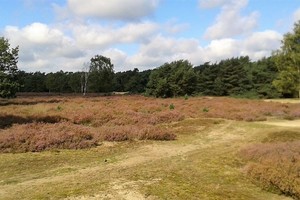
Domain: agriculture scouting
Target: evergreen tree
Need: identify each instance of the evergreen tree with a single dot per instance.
(172, 79)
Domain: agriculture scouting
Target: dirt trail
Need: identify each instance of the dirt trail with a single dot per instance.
(283, 123)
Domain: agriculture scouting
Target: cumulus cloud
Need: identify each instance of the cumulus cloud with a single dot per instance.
(113, 9)
(261, 44)
(230, 22)
(92, 35)
(118, 58)
(42, 47)
(163, 49)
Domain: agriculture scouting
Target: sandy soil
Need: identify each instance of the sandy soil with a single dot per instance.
(283, 123)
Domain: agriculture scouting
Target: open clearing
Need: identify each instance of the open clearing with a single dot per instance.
(202, 163)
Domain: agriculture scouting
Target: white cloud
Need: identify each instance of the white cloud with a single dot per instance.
(163, 49)
(297, 15)
(95, 36)
(266, 40)
(43, 48)
(211, 3)
(173, 27)
(113, 9)
(261, 44)
(118, 58)
(230, 22)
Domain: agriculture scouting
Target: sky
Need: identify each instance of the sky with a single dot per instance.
(55, 35)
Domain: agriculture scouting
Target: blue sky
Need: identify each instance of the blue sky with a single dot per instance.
(65, 34)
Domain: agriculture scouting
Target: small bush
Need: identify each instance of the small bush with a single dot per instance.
(205, 110)
(186, 97)
(171, 106)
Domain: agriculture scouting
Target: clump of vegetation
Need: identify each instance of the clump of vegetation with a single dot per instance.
(205, 110)
(171, 106)
(275, 166)
(37, 137)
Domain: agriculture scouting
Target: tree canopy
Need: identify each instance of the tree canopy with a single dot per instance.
(101, 74)
(172, 79)
(288, 63)
(8, 69)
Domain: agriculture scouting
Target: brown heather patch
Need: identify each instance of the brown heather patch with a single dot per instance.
(37, 137)
(275, 166)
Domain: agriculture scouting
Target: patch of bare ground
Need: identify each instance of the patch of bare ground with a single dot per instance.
(283, 100)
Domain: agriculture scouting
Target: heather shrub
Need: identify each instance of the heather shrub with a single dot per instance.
(156, 134)
(275, 166)
(37, 137)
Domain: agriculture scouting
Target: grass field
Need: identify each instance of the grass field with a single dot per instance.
(133, 147)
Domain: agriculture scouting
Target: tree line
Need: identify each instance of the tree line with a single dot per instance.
(271, 77)
(231, 77)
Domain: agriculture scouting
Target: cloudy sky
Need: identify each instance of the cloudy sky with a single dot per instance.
(58, 35)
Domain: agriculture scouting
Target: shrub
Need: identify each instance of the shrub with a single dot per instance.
(171, 106)
(205, 110)
(156, 134)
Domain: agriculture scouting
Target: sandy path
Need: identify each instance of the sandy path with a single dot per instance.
(286, 123)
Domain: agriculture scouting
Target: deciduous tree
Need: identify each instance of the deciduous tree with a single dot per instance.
(288, 63)
(8, 69)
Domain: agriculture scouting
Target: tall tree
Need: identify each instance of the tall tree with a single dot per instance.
(8, 69)
(101, 74)
(261, 74)
(288, 63)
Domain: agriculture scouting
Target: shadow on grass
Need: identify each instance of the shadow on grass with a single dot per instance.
(27, 103)
(9, 120)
